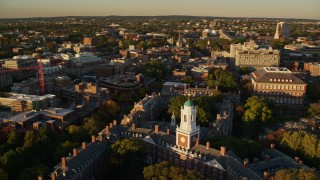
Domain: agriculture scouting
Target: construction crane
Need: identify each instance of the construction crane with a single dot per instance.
(41, 77)
(40, 73)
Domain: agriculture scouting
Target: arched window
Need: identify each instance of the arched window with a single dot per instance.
(185, 118)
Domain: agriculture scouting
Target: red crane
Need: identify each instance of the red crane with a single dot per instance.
(41, 77)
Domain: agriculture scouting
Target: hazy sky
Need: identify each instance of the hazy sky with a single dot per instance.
(229, 8)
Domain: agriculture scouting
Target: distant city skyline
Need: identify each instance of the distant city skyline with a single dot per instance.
(308, 9)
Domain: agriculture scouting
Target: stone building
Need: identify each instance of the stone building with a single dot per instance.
(251, 55)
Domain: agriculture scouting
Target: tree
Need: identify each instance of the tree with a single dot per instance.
(93, 125)
(244, 148)
(314, 109)
(175, 105)
(295, 174)
(29, 139)
(227, 81)
(33, 172)
(155, 69)
(166, 170)
(256, 113)
(129, 147)
(78, 133)
(3, 175)
(65, 148)
(187, 79)
(128, 153)
(14, 139)
(110, 107)
(302, 144)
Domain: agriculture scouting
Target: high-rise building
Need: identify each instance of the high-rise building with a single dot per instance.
(282, 31)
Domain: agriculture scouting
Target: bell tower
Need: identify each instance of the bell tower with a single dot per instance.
(188, 131)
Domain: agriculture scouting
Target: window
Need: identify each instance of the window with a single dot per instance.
(191, 118)
(185, 118)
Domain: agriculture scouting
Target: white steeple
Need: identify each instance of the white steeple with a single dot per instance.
(188, 131)
(188, 117)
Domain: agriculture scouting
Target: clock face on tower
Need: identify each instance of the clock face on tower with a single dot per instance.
(182, 139)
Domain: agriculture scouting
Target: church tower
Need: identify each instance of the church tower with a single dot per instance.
(188, 131)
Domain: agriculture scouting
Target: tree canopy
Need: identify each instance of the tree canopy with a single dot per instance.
(302, 144)
(166, 170)
(257, 112)
(295, 174)
(314, 109)
(226, 80)
(155, 69)
(205, 107)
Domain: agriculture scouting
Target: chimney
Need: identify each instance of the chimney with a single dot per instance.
(110, 124)
(208, 145)
(223, 150)
(93, 138)
(133, 126)
(40, 177)
(272, 146)
(114, 122)
(197, 142)
(63, 162)
(168, 131)
(256, 161)
(156, 128)
(53, 176)
(296, 159)
(84, 145)
(246, 163)
(107, 129)
(300, 163)
(266, 175)
(75, 152)
(267, 157)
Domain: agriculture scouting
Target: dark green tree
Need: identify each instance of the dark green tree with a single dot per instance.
(155, 69)
(166, 170)
(92, 125)
(257, 112)
(78, 133)
(14, 138)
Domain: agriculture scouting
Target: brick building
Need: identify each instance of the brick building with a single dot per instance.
(179, 145)
(278, 85)
(313, 68)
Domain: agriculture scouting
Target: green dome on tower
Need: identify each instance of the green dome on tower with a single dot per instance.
(188, 103)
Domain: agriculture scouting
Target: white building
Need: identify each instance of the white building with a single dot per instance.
(282, 31)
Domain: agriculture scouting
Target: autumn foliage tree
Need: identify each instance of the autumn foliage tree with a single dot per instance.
(295, 174)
